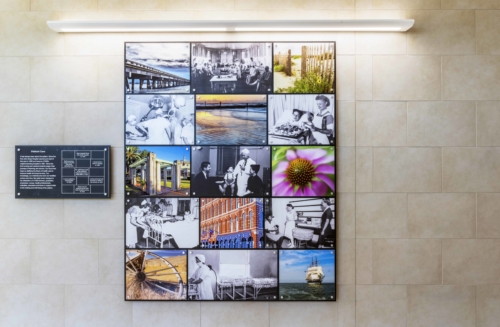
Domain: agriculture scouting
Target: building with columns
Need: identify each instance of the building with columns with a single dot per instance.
(232, 223)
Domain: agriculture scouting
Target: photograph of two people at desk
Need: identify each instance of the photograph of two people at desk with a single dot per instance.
(304, 223)
(231, 67)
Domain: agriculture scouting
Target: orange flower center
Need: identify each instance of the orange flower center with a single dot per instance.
(300, 172)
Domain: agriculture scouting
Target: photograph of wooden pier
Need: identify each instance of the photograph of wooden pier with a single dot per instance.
(231, 119)
(157, 68)
(304, 67)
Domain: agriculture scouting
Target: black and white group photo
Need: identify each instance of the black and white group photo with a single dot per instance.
(234, 171)
(159, 119)
(157, 68)
(162, 223)
(232, 275)
(306, 119)
(302, 223)
(231, 67)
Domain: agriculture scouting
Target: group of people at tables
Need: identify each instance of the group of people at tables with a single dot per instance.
(278, 230)
(253, 73)
(164, 128)
(241, 180)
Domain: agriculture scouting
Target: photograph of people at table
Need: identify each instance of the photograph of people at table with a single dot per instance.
(157, 171)
(232, 275)
(162, 223)
(237, 171)
(159, 119)
(225, 119)
(301, 119)
(307, 275)
(304, 67)
(234, 223)
(157, 68)
(306, 223)
(302, 171)
(231, 68)
(155, 274)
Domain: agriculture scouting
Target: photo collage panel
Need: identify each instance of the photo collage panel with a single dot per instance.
(230, 180)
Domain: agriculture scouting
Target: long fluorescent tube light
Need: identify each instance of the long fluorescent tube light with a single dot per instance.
(138, 26)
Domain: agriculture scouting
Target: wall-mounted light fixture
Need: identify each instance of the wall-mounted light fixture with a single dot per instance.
(127, 26)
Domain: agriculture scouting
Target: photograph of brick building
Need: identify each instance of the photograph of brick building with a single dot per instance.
(231, 223)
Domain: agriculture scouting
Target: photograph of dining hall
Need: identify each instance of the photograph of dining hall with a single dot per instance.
(231, 223)
(231, 67)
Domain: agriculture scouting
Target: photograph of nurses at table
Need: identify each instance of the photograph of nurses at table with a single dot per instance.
(162, 223)
(305, 223)
(231, 68)
(302, 119)
(232, 275)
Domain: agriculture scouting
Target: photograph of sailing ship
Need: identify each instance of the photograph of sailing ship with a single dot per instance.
(307, 275)
(155, 275)
(231, 119)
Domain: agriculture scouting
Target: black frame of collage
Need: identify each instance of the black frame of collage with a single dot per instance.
(266, 196)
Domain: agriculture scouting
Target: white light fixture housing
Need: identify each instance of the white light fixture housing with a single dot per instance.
(138, 26)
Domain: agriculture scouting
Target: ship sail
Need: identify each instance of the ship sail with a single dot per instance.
(314, 273)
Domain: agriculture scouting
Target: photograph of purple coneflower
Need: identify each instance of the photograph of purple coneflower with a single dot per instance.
(303, 171)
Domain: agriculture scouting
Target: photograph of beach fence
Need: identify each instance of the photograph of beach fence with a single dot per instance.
(301, 119)
(224, 119)
(304, 67)
(231, 68)
(232, 275)
(307, 275)
(157, 68)
(157, 171)
(162, 223)
(159, 119)
(155, 275)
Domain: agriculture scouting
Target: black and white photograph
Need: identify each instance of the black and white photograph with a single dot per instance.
(230, 275)
(301, 119)
(300, 67)
(157, 171)
(157, 68)
(155, 275)
(159, 119)
(231, 68)
(307, 223)
(226, 119)
(233, 171)
(162, 223)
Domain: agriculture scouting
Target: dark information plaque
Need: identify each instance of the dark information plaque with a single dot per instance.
(62, 171)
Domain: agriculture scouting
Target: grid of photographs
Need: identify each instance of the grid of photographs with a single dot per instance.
(230, 171)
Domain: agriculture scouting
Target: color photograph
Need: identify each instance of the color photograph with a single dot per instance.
(231, 68)
(159, 119)
(307, 223)
(307, 275)
(155, 275)
(231, 223)
(157, 68)
(302, 119)
(232, 275)
(162, 223)
(231, 171)
(303, 171)
(304, 67)
(157, 171)
(231, 119)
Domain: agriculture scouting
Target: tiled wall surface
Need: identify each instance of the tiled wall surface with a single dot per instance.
(418, 165)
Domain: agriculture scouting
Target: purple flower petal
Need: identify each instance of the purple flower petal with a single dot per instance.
(308, 191)
(311, 154)
(327, 181)
(323, 160)
(281, 188)
(325, 169)
(290, 155)
(287, 192)
(282, 166)
(319, 188)
(278, 178)
(298, 192)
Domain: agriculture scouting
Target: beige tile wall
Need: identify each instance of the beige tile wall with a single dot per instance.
(418, 165)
